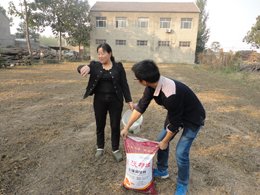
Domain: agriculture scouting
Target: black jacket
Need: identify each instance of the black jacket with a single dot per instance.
(184, 108)
(118, 77)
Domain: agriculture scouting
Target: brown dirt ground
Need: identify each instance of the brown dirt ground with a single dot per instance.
(47, 134)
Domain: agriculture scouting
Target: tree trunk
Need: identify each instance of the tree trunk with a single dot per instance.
(79, 51)
(27, 31)
(60, 47)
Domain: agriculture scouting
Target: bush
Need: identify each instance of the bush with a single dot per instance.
(2, 60)
(26, 60)
(226, 62)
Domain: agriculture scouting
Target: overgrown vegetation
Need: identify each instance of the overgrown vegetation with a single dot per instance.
(203, 30)
(226, 62)
(2, 60)
(253, 36)
(26, 61)
(234, 64)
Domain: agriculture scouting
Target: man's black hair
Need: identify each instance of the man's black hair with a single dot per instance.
(146, 70)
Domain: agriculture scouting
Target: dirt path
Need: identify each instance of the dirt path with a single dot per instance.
(47, 134)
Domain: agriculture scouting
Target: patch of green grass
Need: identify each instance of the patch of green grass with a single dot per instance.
(49, 61)
(229, 71)
(196, 67)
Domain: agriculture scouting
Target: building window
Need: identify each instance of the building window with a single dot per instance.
(164, 43)
(165, 22)
(100, 41)
(101, 22)
(120, 22)
(143, 23)
(184, 44)
(186, 23)
(141, 42)
(120, 42)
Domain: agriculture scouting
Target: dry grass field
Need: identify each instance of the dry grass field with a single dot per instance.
(47, 134)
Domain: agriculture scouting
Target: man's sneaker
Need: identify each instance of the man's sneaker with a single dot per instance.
(181, 189)
(163, 175)
(99, 152)
(118, 155)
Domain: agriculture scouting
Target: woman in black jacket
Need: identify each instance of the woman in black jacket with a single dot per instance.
(109, 84)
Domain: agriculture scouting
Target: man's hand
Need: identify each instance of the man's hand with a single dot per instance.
(162, 145)
(124, 132)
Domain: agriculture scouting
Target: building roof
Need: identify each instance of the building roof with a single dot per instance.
(167, 7)
(58, 47)
(4, 15)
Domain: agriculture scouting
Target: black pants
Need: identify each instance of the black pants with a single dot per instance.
(102, 104)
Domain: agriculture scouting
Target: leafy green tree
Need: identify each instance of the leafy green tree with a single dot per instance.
(2, 9)
(215, 46)
(253, 36)
(203, 31)
(79, 32)
(50, 40)
(57, 14)
(25, 14)
(21, 32)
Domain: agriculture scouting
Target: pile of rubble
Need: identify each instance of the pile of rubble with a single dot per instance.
(14, 56)
(248, 55)
(253, 61)
(18, 56)
(254, 67)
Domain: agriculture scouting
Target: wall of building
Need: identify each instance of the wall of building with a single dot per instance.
(133, 53)
(5, 37)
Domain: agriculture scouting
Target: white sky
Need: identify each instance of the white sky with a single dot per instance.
(229, 20)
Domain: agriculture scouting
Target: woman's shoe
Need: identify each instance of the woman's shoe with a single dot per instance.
(118, 155)
(99, 152)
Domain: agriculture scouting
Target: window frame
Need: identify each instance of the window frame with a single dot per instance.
(185, 22)
(101, 19)
(163, 43)
(145, 43)
(120, 20)
(100, 41)
(184, 43)
(163, 21)
(142, 20)
(119, 41)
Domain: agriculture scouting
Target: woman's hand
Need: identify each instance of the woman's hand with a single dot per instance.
(84, 71)
(131, 105)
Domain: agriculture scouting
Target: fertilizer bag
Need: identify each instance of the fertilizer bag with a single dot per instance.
(139, 164)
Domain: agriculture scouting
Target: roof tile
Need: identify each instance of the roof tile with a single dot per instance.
(168, 7)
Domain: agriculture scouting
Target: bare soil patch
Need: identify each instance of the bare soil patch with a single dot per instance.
(47, 134)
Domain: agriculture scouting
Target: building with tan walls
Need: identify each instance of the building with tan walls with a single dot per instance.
(162, 31)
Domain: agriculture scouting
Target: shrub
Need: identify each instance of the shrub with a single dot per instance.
(2, 60)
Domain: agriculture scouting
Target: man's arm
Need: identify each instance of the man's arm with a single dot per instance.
(134, 117)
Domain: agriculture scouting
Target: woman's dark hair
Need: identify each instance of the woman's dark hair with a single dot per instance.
(146, 70)
(108, 49)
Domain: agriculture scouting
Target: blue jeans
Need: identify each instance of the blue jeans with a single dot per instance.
(182, 154)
